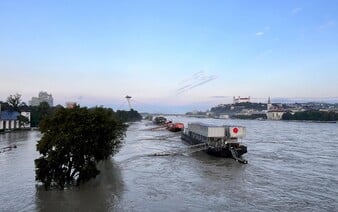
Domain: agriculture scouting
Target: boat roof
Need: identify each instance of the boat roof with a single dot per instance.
(213, 125)
(206, 124)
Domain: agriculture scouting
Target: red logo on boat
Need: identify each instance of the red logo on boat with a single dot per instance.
(235, 130)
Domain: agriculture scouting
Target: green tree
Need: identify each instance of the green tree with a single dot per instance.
(287, 116)
(128, 116)
(311, 115)
(14, 101)
(73, 141)
(40, 112)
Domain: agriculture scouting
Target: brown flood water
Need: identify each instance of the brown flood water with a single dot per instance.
(292, 167)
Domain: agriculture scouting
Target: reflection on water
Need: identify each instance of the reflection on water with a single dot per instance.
(17, 179)
(13, 138)
(292, 167)
(101, 194)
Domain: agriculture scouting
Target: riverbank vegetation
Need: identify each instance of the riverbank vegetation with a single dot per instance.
(38, 113)
(237, 108)
(128, 116)
(311, 115)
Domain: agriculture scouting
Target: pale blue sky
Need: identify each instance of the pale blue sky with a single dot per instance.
(168, 55)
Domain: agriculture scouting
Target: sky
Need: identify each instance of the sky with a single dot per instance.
(170, 56)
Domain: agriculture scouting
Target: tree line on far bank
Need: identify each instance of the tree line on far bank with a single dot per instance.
(311, 115)
(38, 113)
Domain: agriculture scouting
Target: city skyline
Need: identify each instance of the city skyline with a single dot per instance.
(174, 56)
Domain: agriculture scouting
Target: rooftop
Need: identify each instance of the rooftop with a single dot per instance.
(9, 115)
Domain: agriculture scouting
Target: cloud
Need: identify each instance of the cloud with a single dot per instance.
(327, 25)
(195, 75)
(259, 33)
(263, 32)
(196, 80)
(296, 11)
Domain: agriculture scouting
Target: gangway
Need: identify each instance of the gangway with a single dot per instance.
(181, 151)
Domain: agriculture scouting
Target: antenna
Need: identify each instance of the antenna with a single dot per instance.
(128, 99)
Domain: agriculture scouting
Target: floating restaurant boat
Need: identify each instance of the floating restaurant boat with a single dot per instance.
(221, 141)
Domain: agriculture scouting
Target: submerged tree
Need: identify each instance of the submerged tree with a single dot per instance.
(73, 141)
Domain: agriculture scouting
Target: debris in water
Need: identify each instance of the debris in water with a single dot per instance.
(7, 148)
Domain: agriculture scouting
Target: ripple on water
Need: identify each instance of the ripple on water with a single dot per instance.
(292, 167)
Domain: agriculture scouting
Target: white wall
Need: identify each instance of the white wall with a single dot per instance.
(274, 115)
(27, 115)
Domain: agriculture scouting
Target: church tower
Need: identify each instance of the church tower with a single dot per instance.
(269, 105)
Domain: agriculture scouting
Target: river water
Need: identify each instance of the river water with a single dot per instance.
(293, 166)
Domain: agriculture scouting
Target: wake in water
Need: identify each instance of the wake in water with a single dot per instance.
(160, 137)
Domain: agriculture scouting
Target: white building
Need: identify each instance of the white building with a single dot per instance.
(43, 97)
(28, 116)
(241, 99)
(9, 120)
(273, 112)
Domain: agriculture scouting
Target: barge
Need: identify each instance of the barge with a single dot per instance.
(221, 141)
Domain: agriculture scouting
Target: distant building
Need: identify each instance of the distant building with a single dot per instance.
(241, 99)
(43, 97)
(9, 120)
(70, 105)
(28, 116)
(269, 105)
(274, 112)
(224, 116)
